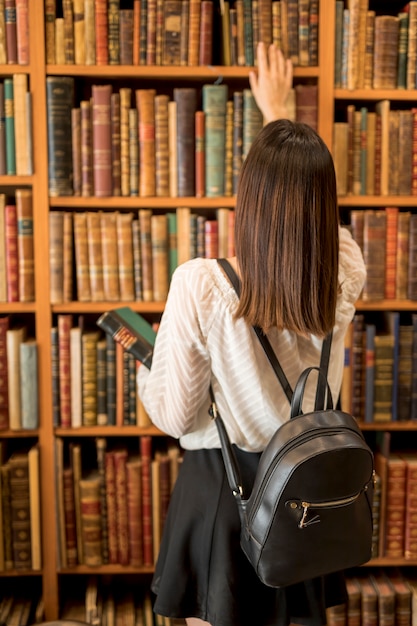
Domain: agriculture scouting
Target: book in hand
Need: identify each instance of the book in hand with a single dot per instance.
(131, 330)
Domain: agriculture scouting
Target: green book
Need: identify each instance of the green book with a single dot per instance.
(131, 330)
(9, 126)
(214, 106)
(173, 245)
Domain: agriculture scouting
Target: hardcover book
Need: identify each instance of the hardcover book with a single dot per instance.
(131, 330)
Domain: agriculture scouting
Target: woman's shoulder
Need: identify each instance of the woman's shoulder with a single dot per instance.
(203, 276)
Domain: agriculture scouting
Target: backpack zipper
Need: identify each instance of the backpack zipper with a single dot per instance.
(324, 505)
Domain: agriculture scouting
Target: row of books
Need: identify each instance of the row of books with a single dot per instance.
(387, 238)
(16, 126)
(179, 32)
(20, 526)
(126, 256)
(114, 511)
(375, 51)
(380, 376)
(374, 151)
(19, 408)
(93, 379)
(21, 608)
(14, 32)
(17, 266)
(163, 146)
(99, 602)
(380, 596)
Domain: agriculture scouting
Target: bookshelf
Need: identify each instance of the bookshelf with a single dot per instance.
(53, 578)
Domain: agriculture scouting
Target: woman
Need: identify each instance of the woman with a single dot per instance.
(301, 275)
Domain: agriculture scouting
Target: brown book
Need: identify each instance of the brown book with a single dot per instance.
(102, 33)
(4, 392)
(89, 340)
(64, 325)
(145, 216)
(82, 266)
(137, 259)
(160, 260)
(95, 256)
(60, 91)
(101, 447)
(405, 152)
(161, 146)
(172, 143)
(115, 143)
(76, 149)
(76, 376)
(110, 256)
(156, 507)
(151, 32)
(403, 597)
(340, 150)
(59, 41)
(354, 601)
(412, 260)
(186, 100)
(101, 140)
(110, 476)
(159, 31)
(90, 32)
(143, 31)
(11, 31)
(120, 460)
(146, 459)
(134, 511)
(20, 89)
(194, 32)
(369, 599)
(126, 36)
(358, 366)
(200, 178)
(306, 104)
(113, 31)
(7, 516)
(11, 250)
(125, 101)
(225, 56)
(91, 519)
(67, 257)
(22, 31)
(385, 52)
(87, 184)
(79, 32)
(133, 153)
(370, 154)
(34, 502)
(403, 244)
(394, 148)
(125, 256)
(391, 252)
(76, 464)
(374, 252)
(410, 521)
(395, 506)
(67, 10)
(102, 414)
(25, 252)
(206, 33)
(50, 14)
(136, 30)
(69, 517)
(382, 109)
(228, 151)
(20, 510)
(386, 599)
(145, 103)
(184, 31)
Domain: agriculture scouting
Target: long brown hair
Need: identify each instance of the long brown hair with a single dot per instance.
(286, 231)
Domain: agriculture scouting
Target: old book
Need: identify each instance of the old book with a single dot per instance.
(172, 146)
(76, 150)
(95, 255)
(113, 27)
(102, 419)
(82, 266)
(20, 510)
(91, 518)
(111, 379)
(126, 36)
(101, 31)
(12, 260)
(131, 330)
(4, 389)
(9, 126)
(405, 152)
(67, 257)
(228, 149)
(120, 460)
(161, 146)
(184, 32)
(403, 597)
(102, 164)
(393, 122)
(134, 510)
(69, 516)
(214, 107)
(11, 31)
(35, 512)
(3, 166)
(55, 376)
(374, 250)
(206, 33)
(146, 459)
(60, 94)
(382, 109)
(369, 366)
(186, 100)
(60, 506)
(413, 410)
(68, 14)
(391, 251)
(412, 260)
(340, 149)
(306, 104)
(386, 52)
(146, 254)
(137, 260)
(156, 507)
(410, 516)
(143, 31)
(76, 371)
(151, 32)
(110, 257)
(60, 41)
(353, 607)
(29, 384)
(22, 31)
(115, 144)
(110, 481)
(125, 102)
(403, 243)
(412, 45)
(64, 325)
(145, 103)
(369, 601)
(50, 14)
(200, 174)
(76, 464)
(79, 31)
(101, 447)
(252, 121)
(194, 32)
(133, 153)
(14, 337)
(87, 183)
(89, 341)
(20, 88)
(160, 257)
(25, 252)
(125, 256)
(386, 598)
(395, 506)
(7, 515)
(383, 382)
(370, 157)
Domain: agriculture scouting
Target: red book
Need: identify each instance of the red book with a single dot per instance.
(22, 31)
(12, 261)
(206, 33)
(64, 327)
(120, 459)
(4, 391)
(102, 32)
(110, 474)
(146, 458)
(134, 511)
(211, 239)
(69, 517)
(25, 251)
(11, 31)
(391, 252)
(102, 144)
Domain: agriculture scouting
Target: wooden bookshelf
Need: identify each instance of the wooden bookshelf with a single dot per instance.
(43, 311)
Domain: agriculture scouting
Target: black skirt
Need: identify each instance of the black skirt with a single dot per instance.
(202, 571)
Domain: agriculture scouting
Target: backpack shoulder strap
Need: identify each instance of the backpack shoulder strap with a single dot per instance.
(272, 357)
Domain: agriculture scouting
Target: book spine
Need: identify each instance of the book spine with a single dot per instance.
(20, 120)
(12, 261)
(50, 14)
(125, 256)
(194, 32)
(79, 31)
(9, 125)
(25, 251)
(145, 103)
(102, 141)
(113, 17)
(22, 31)
(60, 92)
(146, 459)
(76, 150)
(69, 517)
(101, 30)
(126, 36)
(89, 341)
(29, 384)
(68, 13)
(11, 30)
(161, 146)
(4, 392)
(186, 100)
(90, 32)
(134, 511)
(91, 520)
(101, 446)
(64, 326)
(87, 184)
(120, 460)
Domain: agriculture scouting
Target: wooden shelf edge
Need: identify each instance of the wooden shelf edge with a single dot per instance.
(108, 569)
(109, 431)
(20, 572)
(386, 305)
(381, 426)
(375, 94)
(136, 202)
(377, 201)
(385, 561)
(99, 307)
(9, 434)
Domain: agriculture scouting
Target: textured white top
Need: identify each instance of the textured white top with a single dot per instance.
(199, 342)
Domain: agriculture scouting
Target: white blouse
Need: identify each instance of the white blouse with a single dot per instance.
(198, 342)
